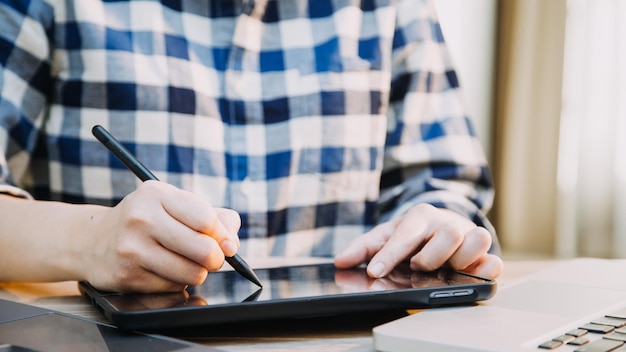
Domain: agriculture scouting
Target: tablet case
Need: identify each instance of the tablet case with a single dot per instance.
(155, 312)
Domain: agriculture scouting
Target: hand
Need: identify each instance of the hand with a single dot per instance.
(430, 238)
(159, 238)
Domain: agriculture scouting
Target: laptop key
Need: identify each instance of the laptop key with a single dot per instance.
(576, 332)
(616, 336)
(550, 345)
(618, 314)
(564, 338)
(579, 341)
(602, 345)
(597, 328)
(612, 321)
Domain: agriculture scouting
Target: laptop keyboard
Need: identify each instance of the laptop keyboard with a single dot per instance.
(611, 328)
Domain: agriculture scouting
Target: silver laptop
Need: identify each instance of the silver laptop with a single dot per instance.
(576, 305)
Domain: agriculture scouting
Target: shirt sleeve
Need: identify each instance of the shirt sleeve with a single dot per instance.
(432, 153)
(25, 29)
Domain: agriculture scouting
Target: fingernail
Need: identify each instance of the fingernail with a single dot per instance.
(376, 269)
(229, 248)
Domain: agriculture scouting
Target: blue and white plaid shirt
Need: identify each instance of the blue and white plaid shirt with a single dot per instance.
(315, 119)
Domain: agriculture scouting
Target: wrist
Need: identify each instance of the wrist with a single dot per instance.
(77, 241)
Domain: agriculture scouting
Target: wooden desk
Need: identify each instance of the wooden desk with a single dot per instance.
(65, 297)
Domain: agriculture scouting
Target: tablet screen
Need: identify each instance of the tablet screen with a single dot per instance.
(289, 283)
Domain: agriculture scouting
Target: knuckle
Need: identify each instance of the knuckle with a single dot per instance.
(482, 237)
(206, 219)
(127, 256)
(135, 217)
(230, 218)
(453, 234)
(421, 209)
(230, 213)
(151, 186)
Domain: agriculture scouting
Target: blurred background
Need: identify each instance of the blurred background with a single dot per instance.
(545, 83)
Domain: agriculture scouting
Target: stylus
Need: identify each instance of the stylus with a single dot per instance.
(129, 160)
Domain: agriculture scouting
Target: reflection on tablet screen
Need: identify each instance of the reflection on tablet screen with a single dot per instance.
(296, 282)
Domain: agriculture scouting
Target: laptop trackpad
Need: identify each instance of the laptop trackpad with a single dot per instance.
(562, 299)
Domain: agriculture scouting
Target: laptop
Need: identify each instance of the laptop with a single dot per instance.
(27, 328)
(576, 305)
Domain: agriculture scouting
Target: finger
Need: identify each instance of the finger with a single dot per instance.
(231, 221)
(365, 246)
(199, 215)
(138, 254)
(476, 243)
(408, 235)
(199, 248)
(442, 244)
(488, 266)
(174, 268)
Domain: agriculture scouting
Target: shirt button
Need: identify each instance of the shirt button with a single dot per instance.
(240, 88)
(246, 186)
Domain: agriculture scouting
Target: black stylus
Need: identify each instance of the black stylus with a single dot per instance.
(115, 147)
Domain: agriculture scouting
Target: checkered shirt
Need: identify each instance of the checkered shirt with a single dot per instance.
(315, 119)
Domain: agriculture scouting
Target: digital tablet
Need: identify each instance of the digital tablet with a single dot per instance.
(288, 292)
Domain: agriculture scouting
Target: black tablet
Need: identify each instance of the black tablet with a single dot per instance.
(289, 292)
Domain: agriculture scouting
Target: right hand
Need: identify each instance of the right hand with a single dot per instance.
(158, 238)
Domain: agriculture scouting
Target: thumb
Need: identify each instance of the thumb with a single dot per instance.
(231, 221)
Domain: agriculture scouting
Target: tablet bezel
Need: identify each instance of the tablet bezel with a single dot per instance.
(301, 307)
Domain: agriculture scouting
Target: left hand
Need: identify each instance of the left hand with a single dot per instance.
(429, 238)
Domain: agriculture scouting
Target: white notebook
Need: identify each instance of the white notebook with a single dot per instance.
(551, 308)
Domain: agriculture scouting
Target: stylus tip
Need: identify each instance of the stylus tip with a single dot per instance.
(244, 269)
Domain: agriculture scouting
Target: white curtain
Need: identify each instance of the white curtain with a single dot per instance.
(527, 119)
(591, 174)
